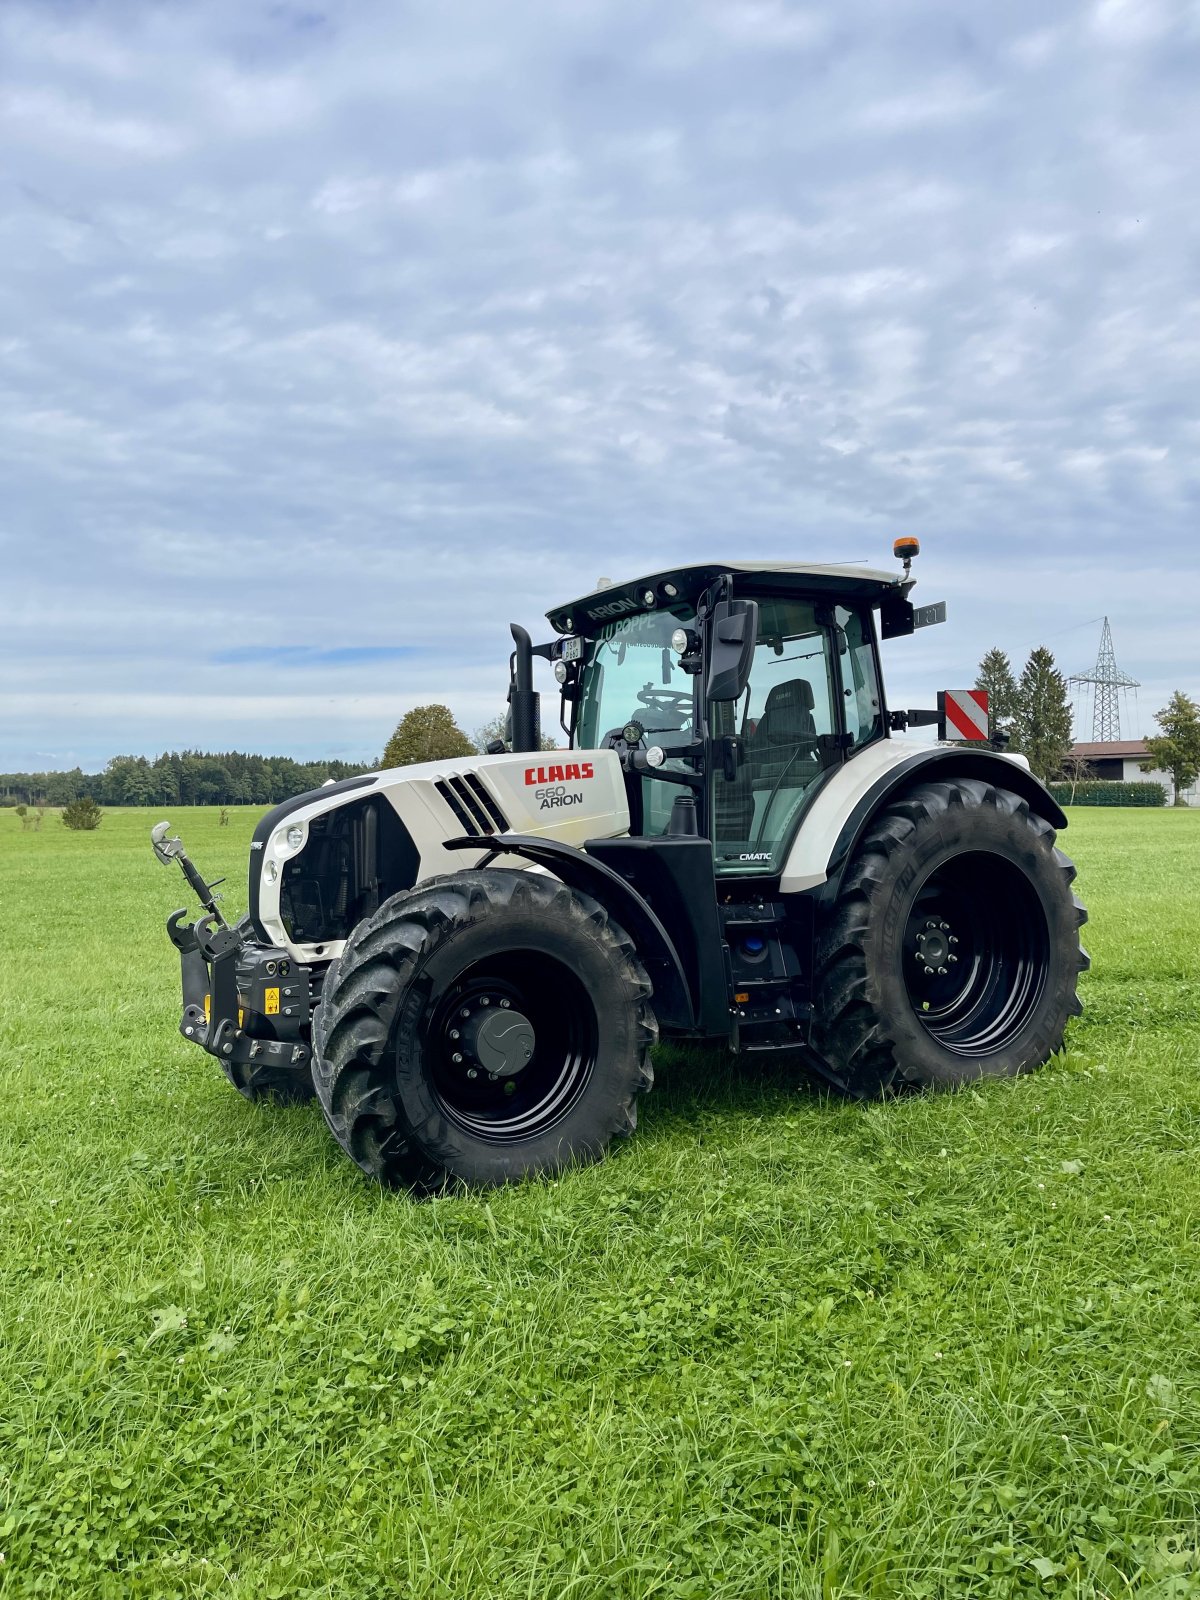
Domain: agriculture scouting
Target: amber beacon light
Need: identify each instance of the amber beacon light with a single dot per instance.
(906, 550)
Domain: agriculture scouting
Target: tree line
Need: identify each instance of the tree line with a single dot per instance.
(236, 778)
(1034, 712)
(178, 778)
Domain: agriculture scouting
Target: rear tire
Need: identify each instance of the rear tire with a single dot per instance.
(483, 970)
(953, 950)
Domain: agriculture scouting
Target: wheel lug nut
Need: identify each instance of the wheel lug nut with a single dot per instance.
(457, 1057)
(485, 1001)
(944, 926)
(929, 972)
(454, 1034)
(492, 1076)
(953, 940)
(506, 1004)
(472, 1073)
(465, 1012)
(942, 972)
(953, 960)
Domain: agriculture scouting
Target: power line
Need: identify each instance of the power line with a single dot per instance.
(1032, 644)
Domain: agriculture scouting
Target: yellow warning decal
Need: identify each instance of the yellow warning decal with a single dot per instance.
(272, 1002)
(241, 1018)
(208, 1008)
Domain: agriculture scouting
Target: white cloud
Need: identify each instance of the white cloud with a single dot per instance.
(56, 120)
(949, 100)
(769, 22)
(380, 327)
(1127, 22)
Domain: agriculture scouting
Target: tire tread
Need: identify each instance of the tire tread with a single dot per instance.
(856, 1049)
(364, 991)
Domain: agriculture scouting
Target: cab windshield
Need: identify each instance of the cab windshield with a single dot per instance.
(633, 675)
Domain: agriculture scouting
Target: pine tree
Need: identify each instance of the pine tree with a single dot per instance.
(1177, 749)
(996, 676)
(1043, 718)
(82, 815)
(426, 733)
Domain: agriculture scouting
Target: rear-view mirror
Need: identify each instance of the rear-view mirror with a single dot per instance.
(734, 633)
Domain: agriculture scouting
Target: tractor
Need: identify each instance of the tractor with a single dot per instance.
(470, 961)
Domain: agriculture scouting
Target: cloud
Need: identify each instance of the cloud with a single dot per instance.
(375, 328)
(298, 657)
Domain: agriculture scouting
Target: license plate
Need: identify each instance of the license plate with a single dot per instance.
(572, 649)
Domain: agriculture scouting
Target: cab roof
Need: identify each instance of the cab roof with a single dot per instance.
(613, 600)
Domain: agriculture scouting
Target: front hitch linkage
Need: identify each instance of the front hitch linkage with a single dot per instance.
(209, 949)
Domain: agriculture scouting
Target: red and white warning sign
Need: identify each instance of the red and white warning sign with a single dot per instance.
(964, 714)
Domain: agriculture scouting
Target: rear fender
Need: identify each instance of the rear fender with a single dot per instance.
(849, 803)
(674, 1004)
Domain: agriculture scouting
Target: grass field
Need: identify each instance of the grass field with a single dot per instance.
(778, 1346)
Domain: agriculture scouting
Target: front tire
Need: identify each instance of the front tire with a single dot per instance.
(481, 1028)
(953, 951)
(285, 1086)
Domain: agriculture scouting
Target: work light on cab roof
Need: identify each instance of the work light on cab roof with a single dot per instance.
(470, 961)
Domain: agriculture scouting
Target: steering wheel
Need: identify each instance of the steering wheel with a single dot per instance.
(666, 703)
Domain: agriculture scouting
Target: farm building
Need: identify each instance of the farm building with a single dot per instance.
(1120, 761)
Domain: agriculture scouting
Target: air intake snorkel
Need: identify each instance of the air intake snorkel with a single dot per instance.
(524, 702)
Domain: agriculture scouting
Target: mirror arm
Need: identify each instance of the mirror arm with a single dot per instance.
(639, 764)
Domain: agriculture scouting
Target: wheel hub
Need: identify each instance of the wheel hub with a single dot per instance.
(976, 953)
(935, 947)
(494, 1038)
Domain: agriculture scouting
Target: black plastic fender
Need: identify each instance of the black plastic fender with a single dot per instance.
(674, 1004)
(928, 765)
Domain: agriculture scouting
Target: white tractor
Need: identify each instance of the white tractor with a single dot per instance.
(471, 960)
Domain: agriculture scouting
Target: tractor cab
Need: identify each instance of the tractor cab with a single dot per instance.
(741, 688)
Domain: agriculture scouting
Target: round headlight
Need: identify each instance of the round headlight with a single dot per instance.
(295, 836)
(272, 871)
(670, 590)
(679, 641)
(655, 756)
(560, 671)
(648, 597)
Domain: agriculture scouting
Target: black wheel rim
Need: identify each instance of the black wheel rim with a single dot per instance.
(529, 1093)
(976, 953)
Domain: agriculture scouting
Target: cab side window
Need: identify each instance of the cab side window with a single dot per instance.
(782, 727)
(860, 679)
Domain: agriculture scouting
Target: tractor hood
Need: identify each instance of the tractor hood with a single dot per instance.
(321, 861)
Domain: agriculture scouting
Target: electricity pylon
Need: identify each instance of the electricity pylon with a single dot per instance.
(1108, 683)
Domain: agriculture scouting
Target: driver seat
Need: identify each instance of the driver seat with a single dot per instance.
(786, 726)
(787, 717)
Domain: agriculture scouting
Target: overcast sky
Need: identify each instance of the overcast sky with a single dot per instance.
(332, 337)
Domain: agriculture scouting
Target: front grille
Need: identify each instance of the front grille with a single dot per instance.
(474, 807)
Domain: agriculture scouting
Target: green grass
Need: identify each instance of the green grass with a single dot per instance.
(777, 1346)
